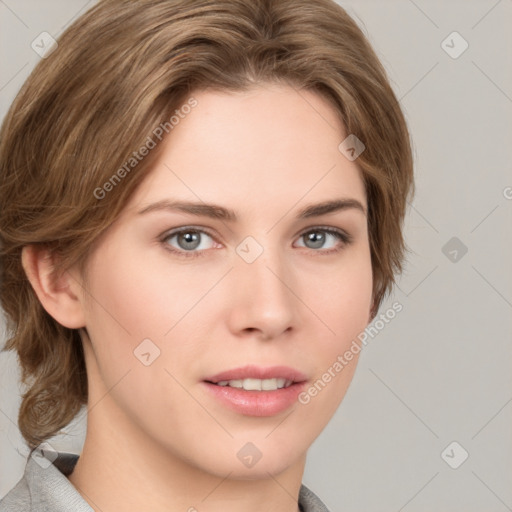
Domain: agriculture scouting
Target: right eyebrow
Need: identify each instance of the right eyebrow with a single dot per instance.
(201, 209)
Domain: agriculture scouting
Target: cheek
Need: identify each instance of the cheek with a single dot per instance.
(137, 298)
(343, 300)
(131, 303)
(143, 298)
(343, 304)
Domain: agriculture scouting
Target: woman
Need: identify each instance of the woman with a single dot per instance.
(202, 207)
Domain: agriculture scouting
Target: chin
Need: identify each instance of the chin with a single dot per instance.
(246, 460)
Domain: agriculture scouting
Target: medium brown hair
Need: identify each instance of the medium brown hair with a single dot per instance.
(120, 71)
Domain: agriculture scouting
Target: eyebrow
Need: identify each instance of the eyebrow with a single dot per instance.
(220, 212)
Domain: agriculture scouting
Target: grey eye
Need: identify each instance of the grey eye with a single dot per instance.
(315, 239)
(322, 239)
(189, 240)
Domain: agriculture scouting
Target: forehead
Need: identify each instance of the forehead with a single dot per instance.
(268, 145)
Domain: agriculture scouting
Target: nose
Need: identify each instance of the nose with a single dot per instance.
(263, 302)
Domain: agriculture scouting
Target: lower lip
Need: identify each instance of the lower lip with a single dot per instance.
(256, 403)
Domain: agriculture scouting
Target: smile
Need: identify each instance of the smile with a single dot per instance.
(256, 390)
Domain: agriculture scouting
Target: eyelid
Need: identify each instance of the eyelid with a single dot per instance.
(180, 229)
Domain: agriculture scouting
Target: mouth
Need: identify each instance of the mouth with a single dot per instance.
(257, 391)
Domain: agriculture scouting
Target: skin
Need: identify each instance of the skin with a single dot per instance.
(155, 439)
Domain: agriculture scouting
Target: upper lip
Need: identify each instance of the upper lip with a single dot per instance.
(258, 372)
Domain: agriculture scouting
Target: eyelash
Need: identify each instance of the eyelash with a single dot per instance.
(345, 238)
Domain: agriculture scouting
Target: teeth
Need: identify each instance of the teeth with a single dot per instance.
(254, 384)
(257, 384)
(281, 383)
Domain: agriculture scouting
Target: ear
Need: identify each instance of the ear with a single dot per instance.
(59, 294)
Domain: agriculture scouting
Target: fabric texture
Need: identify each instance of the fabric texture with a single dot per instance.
(45, 488)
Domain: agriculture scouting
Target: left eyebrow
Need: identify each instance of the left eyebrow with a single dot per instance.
(220, 212)
(315, 210)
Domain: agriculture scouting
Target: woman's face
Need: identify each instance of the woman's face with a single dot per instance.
(223, 272)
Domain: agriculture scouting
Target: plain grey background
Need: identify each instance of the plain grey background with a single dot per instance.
(439, 372)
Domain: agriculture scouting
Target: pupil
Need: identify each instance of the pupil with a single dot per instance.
(317, 239)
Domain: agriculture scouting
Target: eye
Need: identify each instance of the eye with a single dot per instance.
(193, 242)
(188, 240)
(325, 238)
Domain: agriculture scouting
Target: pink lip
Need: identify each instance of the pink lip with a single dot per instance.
(258, 372)
(257, 403)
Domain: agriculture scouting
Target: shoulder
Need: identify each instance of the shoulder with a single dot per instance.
(44, 486)
(18, 499)
(309, 501)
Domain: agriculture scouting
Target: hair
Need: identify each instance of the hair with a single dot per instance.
(119, 72)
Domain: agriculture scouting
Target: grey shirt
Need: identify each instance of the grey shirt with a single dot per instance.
(45, 488)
